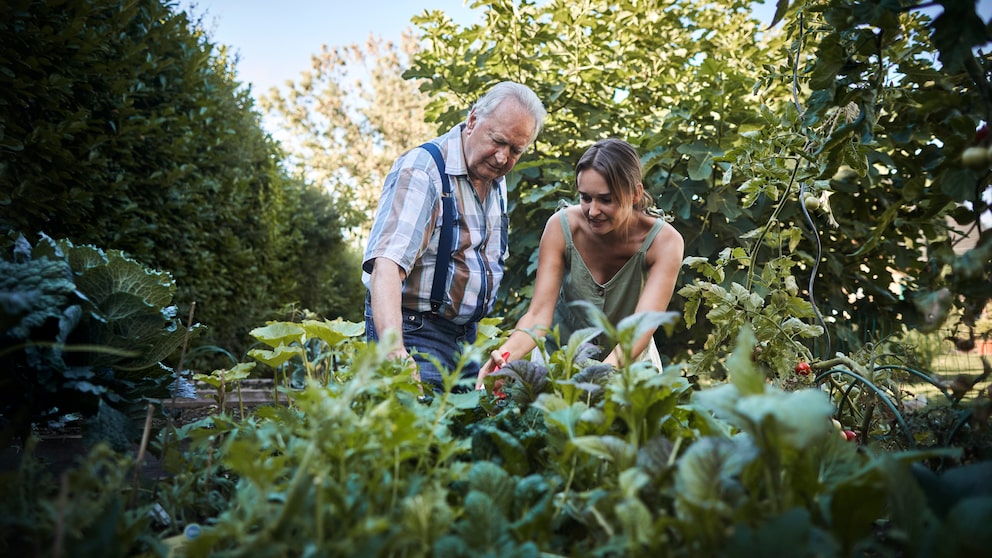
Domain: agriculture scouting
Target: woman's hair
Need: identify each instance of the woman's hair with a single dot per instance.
(618, 162)
(523, 95)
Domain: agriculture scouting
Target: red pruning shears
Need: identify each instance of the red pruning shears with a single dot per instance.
(506, 357)
(498, 391)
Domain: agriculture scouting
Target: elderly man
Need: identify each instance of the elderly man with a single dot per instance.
(438, 245)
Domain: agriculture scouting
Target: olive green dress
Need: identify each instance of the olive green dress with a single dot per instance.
(617, 298)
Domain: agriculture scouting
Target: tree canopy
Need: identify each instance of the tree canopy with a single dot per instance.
(813, 165)
(347, 119)
(865, 106)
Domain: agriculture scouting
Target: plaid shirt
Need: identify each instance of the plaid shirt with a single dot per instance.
(407, 227)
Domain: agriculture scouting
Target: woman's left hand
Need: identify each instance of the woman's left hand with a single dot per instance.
(496, 361)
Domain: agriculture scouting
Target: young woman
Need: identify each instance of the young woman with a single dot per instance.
(610, 250)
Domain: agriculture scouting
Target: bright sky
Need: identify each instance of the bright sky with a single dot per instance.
(275, 40)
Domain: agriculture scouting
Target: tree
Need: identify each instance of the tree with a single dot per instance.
(346, 121)
(736, 125)
(895, 95)
(621, 69)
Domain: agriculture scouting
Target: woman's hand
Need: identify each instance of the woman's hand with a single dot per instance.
(497, 359)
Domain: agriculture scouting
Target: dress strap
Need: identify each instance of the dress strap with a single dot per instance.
(651, 234)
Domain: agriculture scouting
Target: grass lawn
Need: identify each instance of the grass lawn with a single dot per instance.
(948, 366)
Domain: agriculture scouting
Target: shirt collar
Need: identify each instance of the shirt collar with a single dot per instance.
(455, 166)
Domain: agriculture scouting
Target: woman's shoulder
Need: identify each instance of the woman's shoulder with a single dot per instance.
(667, 231)
(648, 221)
(556, 223)
(668, 242)
(569, 213)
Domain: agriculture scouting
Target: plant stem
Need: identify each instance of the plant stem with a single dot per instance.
(568, 486)
(241, 402)
(141, 454)
(753, 255)
(319, 509)
(63, 503)
(294, 491)
(182, 353)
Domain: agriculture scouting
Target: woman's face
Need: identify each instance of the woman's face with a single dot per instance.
(598, 203)
(604, 210)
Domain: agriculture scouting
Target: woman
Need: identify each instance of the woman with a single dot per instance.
(610, 250)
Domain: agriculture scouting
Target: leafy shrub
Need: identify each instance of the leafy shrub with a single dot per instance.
(85, 332)
(87, 511)
(578, 461)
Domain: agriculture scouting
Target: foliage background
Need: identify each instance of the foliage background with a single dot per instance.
(125, 128)
(866, 106)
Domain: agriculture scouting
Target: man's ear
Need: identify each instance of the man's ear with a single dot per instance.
(472, 120)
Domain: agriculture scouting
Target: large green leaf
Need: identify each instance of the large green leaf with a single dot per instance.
(278, 356)
(279, 333)
(332, 332)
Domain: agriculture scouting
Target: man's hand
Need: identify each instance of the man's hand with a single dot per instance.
(403, 358)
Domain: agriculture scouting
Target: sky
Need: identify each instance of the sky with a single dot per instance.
(275, 40)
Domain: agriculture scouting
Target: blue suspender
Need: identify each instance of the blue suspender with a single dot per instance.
(444, 246)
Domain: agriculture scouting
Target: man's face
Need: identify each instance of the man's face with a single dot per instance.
(494, 144)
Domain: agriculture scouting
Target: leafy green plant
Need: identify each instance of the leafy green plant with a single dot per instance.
(222, 379)
(582, 461)
(771, 304)
(86, 332)
(309, 351)
(82, 512)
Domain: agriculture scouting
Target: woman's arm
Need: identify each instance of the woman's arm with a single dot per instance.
(664, 260)
(540, 313)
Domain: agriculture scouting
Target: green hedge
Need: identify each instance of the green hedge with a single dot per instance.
(123, 126)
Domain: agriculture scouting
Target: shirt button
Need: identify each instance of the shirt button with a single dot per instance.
(600, 292)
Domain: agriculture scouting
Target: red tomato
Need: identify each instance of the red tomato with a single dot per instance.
(803, 368)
